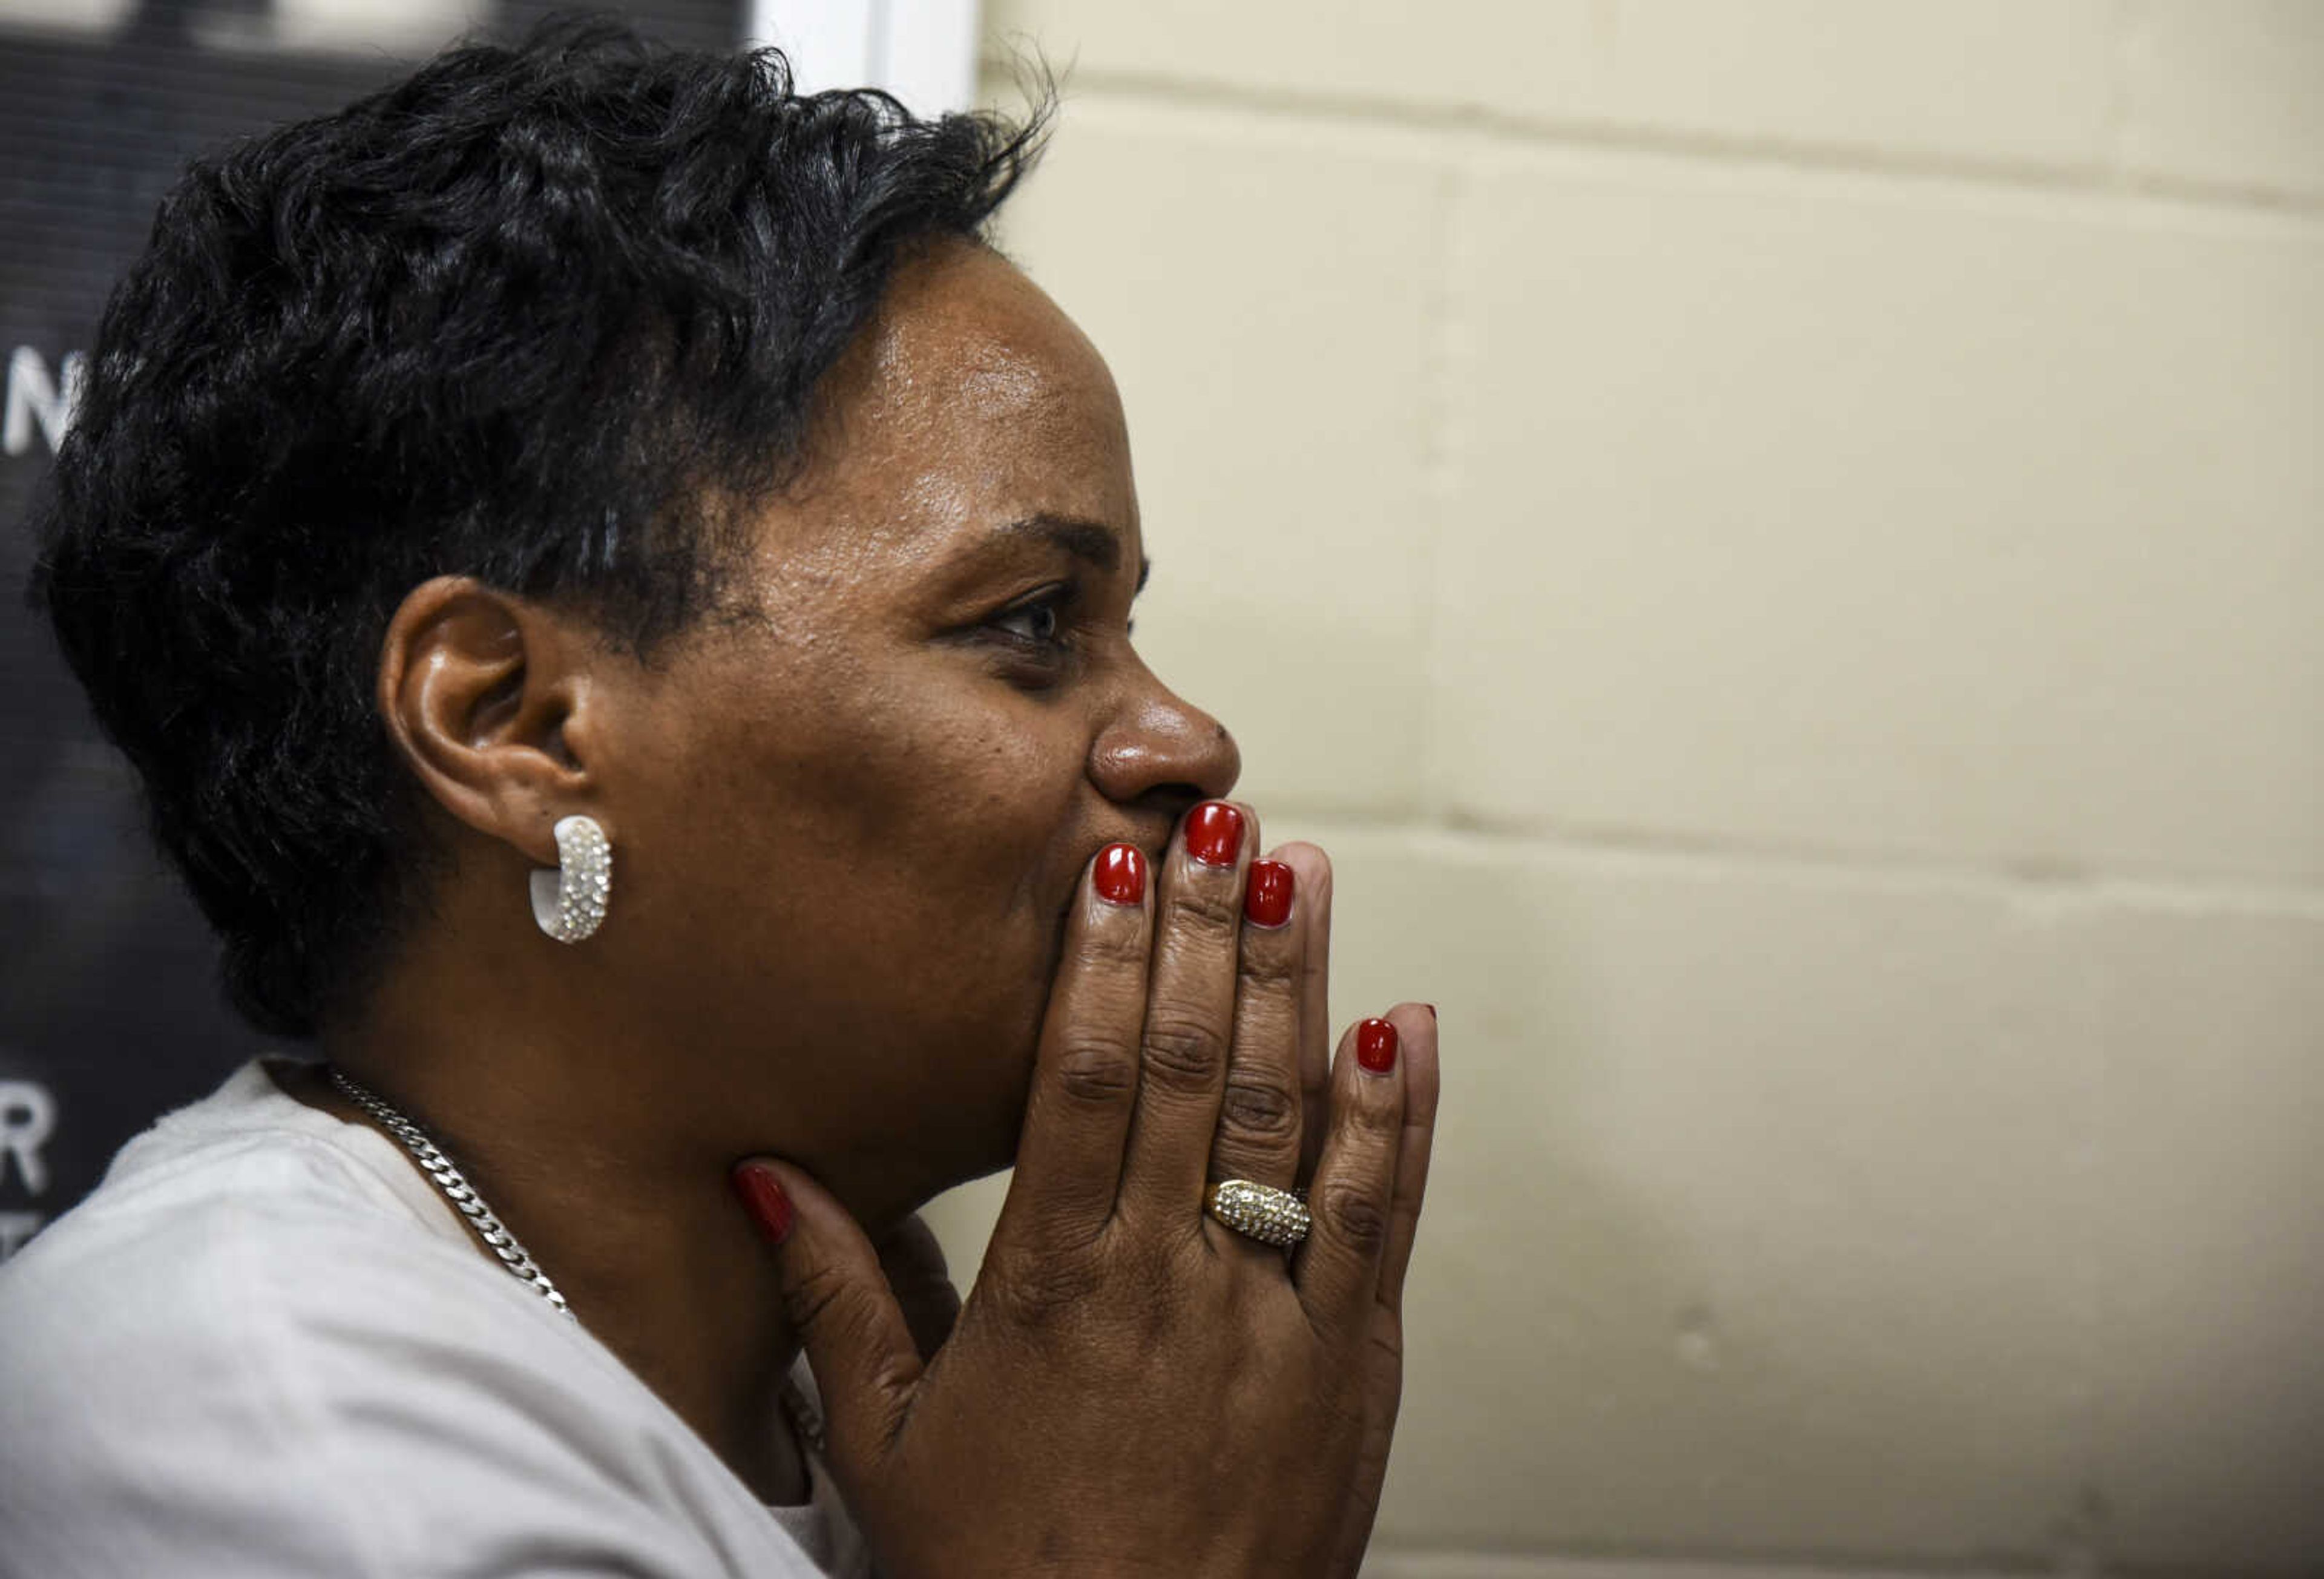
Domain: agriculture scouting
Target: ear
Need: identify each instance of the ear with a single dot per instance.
(486, 698)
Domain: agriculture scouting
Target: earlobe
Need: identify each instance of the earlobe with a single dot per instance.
(477, 692)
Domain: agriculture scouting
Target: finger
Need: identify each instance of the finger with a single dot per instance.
(1413, 1146)
(913, 1262)
(838, 1302)
(1259, 1118)
(1339, 1264)
(1314, 885)
(1085, 1070)
(1189, 1015)
(1384, 1353)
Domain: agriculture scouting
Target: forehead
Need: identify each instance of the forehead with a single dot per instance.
(969, 398)
(963, 326)
(971, 404)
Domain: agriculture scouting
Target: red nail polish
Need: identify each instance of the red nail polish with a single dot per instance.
(768, 1206)
(1267, 901)
(1375, 1046)
(1121, 875)
(1214, 833)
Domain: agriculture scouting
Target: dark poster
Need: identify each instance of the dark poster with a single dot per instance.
(109, 1011)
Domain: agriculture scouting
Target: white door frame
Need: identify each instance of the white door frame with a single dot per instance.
(924, 51)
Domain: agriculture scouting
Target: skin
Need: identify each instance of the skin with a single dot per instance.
(853, 818)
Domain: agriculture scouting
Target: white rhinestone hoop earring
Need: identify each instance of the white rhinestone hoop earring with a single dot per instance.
(569, 901)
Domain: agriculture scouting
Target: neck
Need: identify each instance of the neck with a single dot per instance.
(645, 1240)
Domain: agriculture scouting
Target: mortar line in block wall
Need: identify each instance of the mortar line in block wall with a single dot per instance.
(2099, 178)
(2126, 29)
(2048, 882)
(1440, 460)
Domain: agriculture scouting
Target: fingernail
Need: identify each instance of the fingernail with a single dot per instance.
(1214, 833)
(768, 1205)
(1120, 875)
(1432, 1010)
(1375, 1046)
(1266, 902)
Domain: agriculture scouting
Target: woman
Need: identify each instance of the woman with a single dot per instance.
(621, 603)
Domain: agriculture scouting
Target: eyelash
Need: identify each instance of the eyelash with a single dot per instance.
(1054, 603)
(1050, 603)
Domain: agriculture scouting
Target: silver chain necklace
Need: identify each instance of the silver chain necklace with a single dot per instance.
(456, 1190)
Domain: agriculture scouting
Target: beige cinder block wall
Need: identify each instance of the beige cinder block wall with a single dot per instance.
(1781, 546)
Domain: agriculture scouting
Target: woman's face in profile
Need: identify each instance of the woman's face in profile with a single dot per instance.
(852, 816)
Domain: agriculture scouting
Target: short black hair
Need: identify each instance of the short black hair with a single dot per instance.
(525, 316)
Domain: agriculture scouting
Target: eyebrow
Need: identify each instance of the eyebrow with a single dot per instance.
(1091, 541)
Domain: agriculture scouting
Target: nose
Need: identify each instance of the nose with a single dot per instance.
(1158, 747)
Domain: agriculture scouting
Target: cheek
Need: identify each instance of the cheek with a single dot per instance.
(909, 843)
(903, 901)
(957, 808)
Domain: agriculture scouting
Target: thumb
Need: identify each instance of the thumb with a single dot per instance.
(837, 1300)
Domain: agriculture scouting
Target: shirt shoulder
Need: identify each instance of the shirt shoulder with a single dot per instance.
(254, 1351)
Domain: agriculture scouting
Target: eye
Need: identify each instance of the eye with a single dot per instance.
(1036, 623)
(1040, 624)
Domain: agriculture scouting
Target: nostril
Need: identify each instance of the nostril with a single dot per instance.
(1154, 818)
(1173, 802)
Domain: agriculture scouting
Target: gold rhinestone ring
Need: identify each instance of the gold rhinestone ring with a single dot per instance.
(1258, 1211)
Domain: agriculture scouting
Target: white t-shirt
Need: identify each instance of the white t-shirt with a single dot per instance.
(266, 1347)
